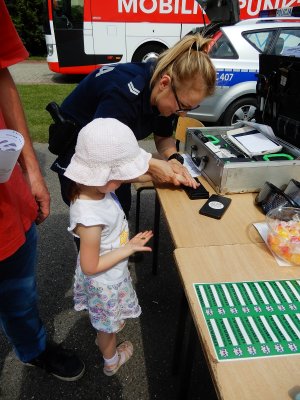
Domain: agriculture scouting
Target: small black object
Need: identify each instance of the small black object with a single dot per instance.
(177, 157)
(54, 110)
(270, 196)
(215, 206)
(199, 193)
(62, 133)
(293, 191)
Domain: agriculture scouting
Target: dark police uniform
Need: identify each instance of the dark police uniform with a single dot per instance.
(120, 91)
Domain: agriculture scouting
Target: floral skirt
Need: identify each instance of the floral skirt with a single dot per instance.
(108, 305)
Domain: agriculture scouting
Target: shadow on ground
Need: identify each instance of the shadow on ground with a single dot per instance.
(67, 78)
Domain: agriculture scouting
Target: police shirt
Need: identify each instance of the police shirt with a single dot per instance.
(120, 91)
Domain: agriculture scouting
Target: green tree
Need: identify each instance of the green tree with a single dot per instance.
(27, 16)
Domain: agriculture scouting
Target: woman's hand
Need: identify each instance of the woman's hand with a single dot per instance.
(180, 170)
(137, 243)
(162, 172)
(170, 172)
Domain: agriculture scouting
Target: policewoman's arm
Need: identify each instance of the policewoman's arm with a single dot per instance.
(172, 171)
(182, 77)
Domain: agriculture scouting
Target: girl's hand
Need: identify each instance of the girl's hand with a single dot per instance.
(182, 174)
(170, 172)
(137, 243)
(161, 172)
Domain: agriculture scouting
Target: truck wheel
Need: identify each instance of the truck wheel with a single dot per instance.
(243, 109)
(148, 52)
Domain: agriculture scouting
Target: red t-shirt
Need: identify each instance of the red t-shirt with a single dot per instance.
(18, 208)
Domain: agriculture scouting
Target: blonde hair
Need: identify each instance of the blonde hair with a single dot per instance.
(186, 60)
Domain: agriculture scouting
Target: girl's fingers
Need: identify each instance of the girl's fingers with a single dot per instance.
(144, 235)
(141, 238)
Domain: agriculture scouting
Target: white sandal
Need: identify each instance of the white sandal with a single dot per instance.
(125, 348)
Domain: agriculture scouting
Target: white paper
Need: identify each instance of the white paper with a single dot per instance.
(253, 142)
(262, 229)
(256, 143)
(11, 144)
(190, 165)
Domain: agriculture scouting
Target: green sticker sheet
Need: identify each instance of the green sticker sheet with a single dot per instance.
(252, 319)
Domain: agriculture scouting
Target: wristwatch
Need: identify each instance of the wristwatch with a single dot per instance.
(177, 157)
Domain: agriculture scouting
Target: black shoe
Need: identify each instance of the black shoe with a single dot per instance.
(61, 363)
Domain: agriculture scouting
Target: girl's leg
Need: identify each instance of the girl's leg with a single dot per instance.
(107, 343)
(114, 356)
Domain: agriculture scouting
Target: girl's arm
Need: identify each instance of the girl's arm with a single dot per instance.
(90, 238)
(141, 179)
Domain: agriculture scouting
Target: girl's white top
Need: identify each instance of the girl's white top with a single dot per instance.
(109, 214)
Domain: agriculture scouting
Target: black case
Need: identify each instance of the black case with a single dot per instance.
(194, 194)
(215, 206)
(278, 90)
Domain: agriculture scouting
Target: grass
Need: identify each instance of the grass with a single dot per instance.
(34, 99)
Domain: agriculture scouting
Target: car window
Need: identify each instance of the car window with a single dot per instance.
(287, 38)
(261, 40)
(68, 14)
(222, 48)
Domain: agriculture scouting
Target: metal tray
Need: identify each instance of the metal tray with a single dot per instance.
(238, 174)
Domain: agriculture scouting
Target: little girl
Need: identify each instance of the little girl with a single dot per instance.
(107, 154)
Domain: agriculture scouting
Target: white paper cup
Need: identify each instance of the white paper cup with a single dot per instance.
(11, 144)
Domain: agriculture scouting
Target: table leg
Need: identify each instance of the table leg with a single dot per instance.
(187, 362)
(137, 211)
(179, 339)
(156, 235)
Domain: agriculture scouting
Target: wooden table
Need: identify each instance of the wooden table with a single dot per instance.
(190, 229)
(275, 378)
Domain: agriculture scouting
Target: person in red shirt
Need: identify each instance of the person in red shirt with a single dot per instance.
(24, 202)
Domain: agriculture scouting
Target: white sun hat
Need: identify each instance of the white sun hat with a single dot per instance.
(106, 150)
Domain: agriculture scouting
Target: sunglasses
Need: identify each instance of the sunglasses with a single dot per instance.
(181, 109)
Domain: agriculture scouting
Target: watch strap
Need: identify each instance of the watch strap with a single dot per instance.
(176, 156)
